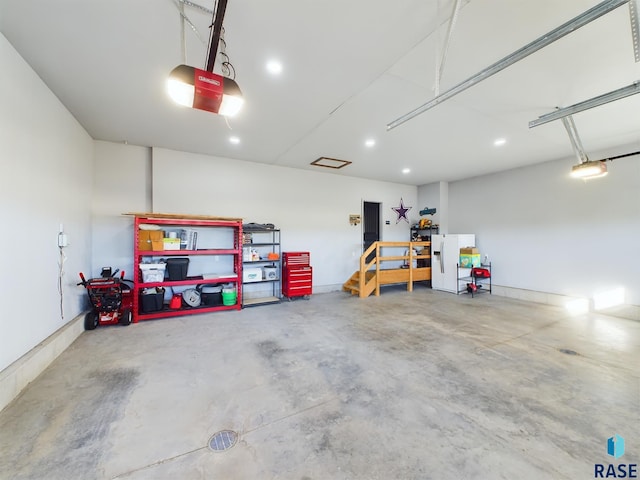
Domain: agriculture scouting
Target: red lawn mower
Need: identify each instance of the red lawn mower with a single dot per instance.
(111, 299)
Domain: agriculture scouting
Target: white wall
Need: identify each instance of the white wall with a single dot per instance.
(311, 208)
(46, 161)
(436, 195)
(121, 184)
(547, 232)
(444, 209)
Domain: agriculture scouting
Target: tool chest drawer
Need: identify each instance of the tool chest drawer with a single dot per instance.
(291, 259)
(297, 281)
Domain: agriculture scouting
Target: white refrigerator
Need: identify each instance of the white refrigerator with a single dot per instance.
(445, 255)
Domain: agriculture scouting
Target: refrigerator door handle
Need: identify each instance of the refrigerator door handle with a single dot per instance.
(442, 257)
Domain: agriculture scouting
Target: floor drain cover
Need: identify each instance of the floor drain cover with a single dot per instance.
(223, 440)
(568, 352)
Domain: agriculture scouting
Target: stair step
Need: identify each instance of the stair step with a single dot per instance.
(353, 284)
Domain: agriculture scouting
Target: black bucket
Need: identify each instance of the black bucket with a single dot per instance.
(210, 294)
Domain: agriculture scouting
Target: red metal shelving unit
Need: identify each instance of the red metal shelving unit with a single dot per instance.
(297, 274)
(195, 222)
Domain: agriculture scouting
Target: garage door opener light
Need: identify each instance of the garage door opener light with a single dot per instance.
(203, 89)
(590, 169)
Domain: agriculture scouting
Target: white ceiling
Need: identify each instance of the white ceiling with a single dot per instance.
(350, 68)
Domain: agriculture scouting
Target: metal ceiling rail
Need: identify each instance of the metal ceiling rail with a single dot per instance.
(559, 32)
(634, 12)
(587, 104)
(576, 143)
(195, 5)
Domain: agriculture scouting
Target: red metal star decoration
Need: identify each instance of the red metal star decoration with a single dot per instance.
(401, 211)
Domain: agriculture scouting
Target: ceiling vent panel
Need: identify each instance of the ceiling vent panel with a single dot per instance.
(333, 163)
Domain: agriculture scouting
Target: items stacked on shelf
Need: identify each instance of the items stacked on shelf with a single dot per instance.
(419, 234)
(297, 274)
(475, 280)
(164, 285)
(261, 267)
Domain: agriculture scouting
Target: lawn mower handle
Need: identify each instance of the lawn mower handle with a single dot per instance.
(122, 279)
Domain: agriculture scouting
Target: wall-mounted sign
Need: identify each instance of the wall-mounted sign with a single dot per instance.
(427, 211)
(401, 211)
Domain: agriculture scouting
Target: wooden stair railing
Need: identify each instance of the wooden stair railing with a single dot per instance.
(365, 281)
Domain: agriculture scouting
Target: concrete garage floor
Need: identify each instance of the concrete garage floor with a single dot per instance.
(422, 385)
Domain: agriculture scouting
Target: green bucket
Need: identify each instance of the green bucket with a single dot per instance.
(229, 297)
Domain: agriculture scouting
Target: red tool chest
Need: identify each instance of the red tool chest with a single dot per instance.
(297, 274)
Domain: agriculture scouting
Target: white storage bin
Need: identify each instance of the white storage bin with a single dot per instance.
(251, 275)
(270, 272)
(152, 272)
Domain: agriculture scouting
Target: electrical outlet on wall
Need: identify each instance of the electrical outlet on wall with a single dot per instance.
(63, 241)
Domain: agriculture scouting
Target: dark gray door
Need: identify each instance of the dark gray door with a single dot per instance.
(371, 225)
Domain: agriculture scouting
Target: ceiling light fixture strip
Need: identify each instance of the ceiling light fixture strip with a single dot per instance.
(634, 13)
(559, 32)
(587, 104)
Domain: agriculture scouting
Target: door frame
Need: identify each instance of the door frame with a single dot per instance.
(364, 223)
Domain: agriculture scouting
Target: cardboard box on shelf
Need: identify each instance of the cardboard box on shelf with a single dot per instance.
(171, 243)
(469, 251)
(469, 260)
(150, 240)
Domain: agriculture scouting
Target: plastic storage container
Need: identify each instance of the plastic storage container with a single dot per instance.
(151, 299)
(152, 272)
(211, 294)
(270, 272)
(229, 296)
(251, 275)
(177, 268)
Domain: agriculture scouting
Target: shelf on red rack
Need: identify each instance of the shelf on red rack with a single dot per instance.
(209, 251)
(190, 220)
(189, 281)
(229, 248)
(183, 311)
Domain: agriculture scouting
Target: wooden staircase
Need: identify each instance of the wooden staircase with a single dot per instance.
(371, 276)
(353, 284)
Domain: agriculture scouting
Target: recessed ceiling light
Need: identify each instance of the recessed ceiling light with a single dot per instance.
(498, 142)
(370, 142)
(274, 67)
(234, 140)
(406, 170)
